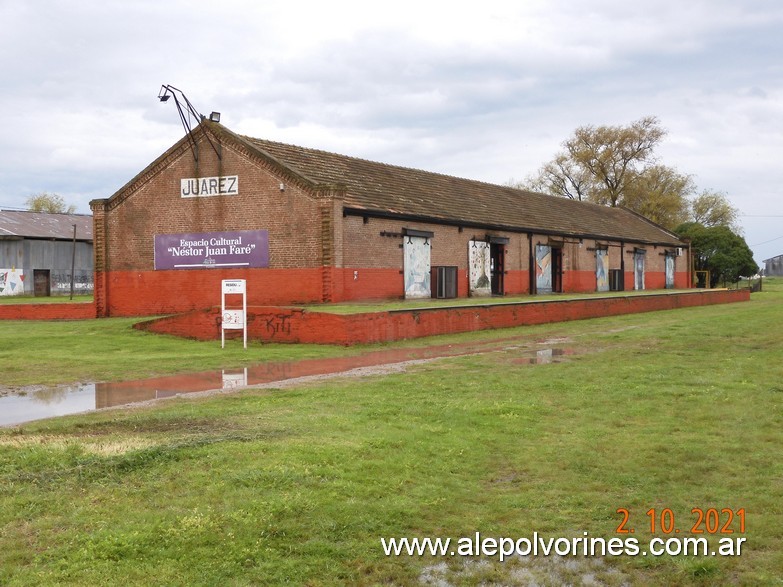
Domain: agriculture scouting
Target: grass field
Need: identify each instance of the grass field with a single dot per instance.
(30, 299)
(39, 352)
(680, 410)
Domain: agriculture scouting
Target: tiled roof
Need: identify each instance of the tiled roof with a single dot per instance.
(389, 189)
(44, 225)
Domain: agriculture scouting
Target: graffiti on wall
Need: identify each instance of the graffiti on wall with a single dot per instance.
(11, 282)
(479, 259)
(543, 269)
(277, 323)
(602, 270)
(416, 267)
(82, 282)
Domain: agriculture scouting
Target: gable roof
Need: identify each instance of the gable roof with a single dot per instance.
(379, 189)
(391, 190)
(44, 225)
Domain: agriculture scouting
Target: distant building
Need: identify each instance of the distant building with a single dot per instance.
(37, 251)
(774, 267)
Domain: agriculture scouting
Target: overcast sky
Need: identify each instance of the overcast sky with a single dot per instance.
(485, 90)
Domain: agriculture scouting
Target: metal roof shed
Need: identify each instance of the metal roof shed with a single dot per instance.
(774, 267)
(37, 250)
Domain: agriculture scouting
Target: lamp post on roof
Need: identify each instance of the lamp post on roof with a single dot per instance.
(188, 115)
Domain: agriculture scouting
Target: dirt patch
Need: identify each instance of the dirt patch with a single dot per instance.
(555, 340)
(102, 447)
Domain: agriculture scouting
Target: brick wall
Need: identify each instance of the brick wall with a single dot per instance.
(292, 216)
(73, 311)
(367, 253)
(579, 263)
(126, 282)
(149, 293)
(292, 325)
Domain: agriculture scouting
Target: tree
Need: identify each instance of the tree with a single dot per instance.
(561, 177)
(616, 166)
(614, 155)
(720, 251)
(600, 164)
(46, 202)
(713, 209)
(660, 194)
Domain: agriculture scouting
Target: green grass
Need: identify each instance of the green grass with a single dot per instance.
(41, 352)
(54, 352)
(677, 409)
(30, 299)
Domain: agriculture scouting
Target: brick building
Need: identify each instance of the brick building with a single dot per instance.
(302, 226)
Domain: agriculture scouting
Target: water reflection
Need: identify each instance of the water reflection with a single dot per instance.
(544, 357)
(46, 403)
(62, 400)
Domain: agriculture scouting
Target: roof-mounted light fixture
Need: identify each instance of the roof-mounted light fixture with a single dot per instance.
(188, 114)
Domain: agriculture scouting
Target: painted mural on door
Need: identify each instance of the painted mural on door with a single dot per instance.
(543, 269)
(602, 270)
(638, 274)
(480, 268)
(416, 267)
(669, 271)
(11, 282)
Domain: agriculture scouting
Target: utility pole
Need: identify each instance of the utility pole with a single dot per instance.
(73, 259)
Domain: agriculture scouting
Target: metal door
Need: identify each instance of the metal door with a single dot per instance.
(497, 268)
(41, 283)
(416, 267)
(479, 259)
(669, 271)
(602, 270)
(638, 274)
(543, 269)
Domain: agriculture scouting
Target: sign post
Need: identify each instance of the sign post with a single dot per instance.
(233, 319)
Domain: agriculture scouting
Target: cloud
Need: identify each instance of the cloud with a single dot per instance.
(484, 91)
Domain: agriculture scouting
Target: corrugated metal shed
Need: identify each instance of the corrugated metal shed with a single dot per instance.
(774, 266)
(37, 253)
(44, 225)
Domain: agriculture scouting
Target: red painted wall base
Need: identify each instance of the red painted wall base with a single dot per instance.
(73, 311)
(293, 325)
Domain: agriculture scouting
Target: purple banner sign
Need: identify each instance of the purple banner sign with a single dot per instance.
(204, 250)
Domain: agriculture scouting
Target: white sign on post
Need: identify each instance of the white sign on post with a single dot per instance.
(233, 318)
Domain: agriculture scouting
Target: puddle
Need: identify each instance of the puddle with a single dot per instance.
(17, 408)
(544, 357)
(46, 403)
